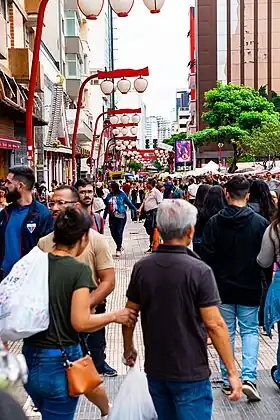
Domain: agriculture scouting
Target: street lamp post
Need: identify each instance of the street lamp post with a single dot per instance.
(91, 10)
(105, 75)
(220, 146)
(112, 113)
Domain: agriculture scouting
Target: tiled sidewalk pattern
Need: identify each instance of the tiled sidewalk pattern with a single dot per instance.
(135, 244)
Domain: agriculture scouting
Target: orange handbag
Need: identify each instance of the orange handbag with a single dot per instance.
(82, 375)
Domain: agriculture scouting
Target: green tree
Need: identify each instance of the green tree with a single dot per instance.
(134, 166)
(233, 112)
(275, 99)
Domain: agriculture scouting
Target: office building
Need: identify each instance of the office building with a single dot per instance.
(157, 130)
(235, 41)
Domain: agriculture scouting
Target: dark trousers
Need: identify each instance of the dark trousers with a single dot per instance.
(96, 343)
(150, 224)
(116, 228)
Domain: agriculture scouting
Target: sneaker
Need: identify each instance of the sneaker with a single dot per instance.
(109, 371)
(118, 254)
(250, 390)
(149, 251)
(273, 370)
(226, 389)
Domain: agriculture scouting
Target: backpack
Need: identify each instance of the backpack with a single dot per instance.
(176, 193)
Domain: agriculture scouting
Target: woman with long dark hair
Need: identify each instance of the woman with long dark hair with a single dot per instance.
(261, 200)
(70, 283)
(269, 254)
(200, 196)
(199, 203)
(215, 201)
(116, 202)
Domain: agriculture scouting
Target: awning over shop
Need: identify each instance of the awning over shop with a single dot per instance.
(9, 143)
(63, 150)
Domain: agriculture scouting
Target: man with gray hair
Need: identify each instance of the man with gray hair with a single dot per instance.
(177, 296)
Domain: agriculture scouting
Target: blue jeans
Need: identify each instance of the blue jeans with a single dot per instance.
(175, 400)
(277, 372)
(116, 228)
(247, 317)
(47, 382)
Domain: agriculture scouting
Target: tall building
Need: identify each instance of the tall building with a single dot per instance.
(16, 46)
(235, 41)
(157, 130)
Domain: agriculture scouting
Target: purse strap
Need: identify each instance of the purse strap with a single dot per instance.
(62, 348)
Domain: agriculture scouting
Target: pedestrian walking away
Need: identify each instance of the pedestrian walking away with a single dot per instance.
(177, 297)
(98, 256)
(70, 283)
(150, 206)
(230, 244)
(115, 203)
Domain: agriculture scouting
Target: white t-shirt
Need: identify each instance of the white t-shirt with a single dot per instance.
(192, 190)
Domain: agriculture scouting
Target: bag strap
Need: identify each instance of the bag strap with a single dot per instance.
(62, 348)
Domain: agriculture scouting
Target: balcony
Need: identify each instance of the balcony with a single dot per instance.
(20, 61)
(73, 45)
(192, 81)
(32, 6)
(85, 132)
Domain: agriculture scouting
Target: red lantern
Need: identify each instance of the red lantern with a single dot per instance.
(91, 8)
(121, 7)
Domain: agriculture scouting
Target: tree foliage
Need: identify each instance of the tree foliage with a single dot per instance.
(134, 166)
(233, 113)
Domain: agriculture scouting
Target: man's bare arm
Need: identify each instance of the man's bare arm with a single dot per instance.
(106, 286)
(130, 354)
(218, 332)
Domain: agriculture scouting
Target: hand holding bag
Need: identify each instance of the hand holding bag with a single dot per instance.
(82, 375)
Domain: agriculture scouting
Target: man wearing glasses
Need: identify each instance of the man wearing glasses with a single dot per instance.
(86, 194)
(98, 256)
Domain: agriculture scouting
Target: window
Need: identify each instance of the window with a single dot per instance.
(73, 66)
(85, 65)
(72, 23)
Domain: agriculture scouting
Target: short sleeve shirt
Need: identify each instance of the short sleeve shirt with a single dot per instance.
(170, 287)
(97, 254)
(66, 275)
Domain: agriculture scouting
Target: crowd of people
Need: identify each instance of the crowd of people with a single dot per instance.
(184, 296)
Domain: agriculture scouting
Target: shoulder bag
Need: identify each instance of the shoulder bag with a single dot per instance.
(82, 375)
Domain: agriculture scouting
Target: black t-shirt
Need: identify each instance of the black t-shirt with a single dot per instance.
(65, 276)
(171, 286)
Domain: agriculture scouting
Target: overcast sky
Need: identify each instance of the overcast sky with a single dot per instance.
(159, 41)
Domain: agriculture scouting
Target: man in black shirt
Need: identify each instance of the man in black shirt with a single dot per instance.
(230, 245)
(177, 296)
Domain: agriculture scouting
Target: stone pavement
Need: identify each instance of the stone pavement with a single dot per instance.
(135, 244)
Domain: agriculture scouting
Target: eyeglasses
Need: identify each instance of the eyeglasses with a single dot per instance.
(60, 203)
(86, 192)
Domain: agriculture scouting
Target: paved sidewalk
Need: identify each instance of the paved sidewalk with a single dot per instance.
(135, 244)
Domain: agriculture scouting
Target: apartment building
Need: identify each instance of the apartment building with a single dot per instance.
(16, 45)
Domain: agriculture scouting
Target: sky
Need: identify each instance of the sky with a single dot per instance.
(159, 42)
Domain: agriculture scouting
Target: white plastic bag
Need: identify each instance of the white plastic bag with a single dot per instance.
(24, 297)
(133, 401)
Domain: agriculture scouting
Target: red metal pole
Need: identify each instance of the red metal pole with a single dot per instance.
(76, 125)
(32, 83)
(94, 139)
(99, 148)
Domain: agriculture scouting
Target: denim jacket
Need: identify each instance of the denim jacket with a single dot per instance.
(272, 304)
(121, 200)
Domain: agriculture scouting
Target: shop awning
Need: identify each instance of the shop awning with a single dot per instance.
(9, 143)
